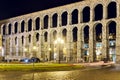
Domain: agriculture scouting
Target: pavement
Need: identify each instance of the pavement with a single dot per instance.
(95, 64)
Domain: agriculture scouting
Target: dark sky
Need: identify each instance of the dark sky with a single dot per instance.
(12, 8)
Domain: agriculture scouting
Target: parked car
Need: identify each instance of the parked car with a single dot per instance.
(30, 60)
(35, 59)
(25, 60)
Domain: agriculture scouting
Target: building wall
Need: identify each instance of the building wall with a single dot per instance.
(44, 46)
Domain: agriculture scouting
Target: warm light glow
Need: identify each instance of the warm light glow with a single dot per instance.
(49, 49)
(59, 40)
(34, 47)
(25, 49)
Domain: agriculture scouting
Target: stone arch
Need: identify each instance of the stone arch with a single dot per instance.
(15, 40)
(86, 14)
(16, 27)
(4, 29)
(97, 42)
(37, 37)
(37, 23)
(29, 25)
(22, 26)
(9, 28)
(85, 43)
(22, 40)
(46, 20)
(54, 35)
(112, 10)
(74, 31)
(86, 34)
(29, 38)
(98, 12)
(46, 36)
(55, 20)
(111, 35)
(75, 16)
(64, 17)
(64, 35)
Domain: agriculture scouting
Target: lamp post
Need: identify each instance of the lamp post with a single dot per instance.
(58, 42)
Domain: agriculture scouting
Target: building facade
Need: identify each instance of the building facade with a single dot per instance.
(83, 31)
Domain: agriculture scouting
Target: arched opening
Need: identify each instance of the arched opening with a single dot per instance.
(64, 37)
(16, 27)
(37, 22)
(9, 29)
(75, 16)
(37, 37)
(64, 34)
(112, 10)
(54, 19)
(74, 48)
(85, 44)
(22, 26)
(29, 25)
(64, 18)
(46, 36)
(29, 38)
(75, 34)
(112, 41)
(4, 29)
(54, 35)
(86, 14)
(97, 56)
(15, 40)
(98, 12)
(22, 40)
(46, 18)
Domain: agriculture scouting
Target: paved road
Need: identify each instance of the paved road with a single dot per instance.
(86, 74)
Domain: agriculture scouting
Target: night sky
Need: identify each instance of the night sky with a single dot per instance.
(12, 8)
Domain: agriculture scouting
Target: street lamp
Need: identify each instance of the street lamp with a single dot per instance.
(58, 42)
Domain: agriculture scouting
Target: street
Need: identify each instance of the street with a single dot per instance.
(85, 74)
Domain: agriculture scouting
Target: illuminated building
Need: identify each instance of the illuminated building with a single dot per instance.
(89, 28)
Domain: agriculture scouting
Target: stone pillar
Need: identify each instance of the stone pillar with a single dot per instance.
(17, 47)
(104, 41)
(1, 30)
(11, 46)
(33, 25)
(19, 27)
(59, 21)
(49, 47)
(42, 24)
(118, 8)
(104, 12)
(79, 17)
(26, 26)
(118, 41)
(91, 14)
(91, 43)
(12, 28)
(69, 18)
(69, 43)
(25, 45)
(6, 31)
(50, 22)
(42, 55)
(79, 47)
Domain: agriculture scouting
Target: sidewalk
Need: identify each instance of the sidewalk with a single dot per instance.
(100, 63)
